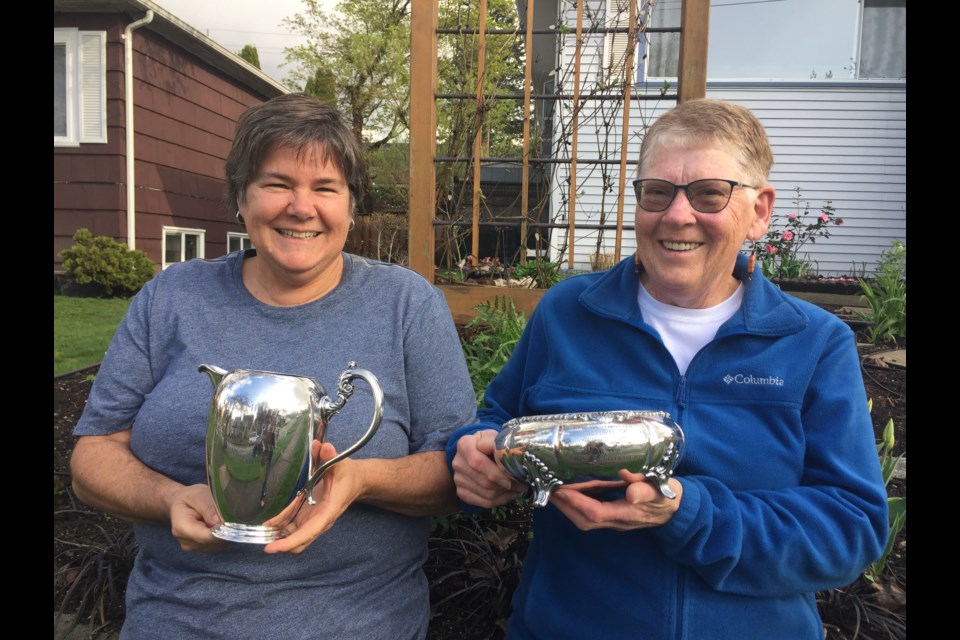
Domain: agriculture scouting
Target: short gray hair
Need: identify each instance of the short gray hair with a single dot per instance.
(714, 122)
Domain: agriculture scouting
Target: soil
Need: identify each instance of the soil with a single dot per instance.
(92, 553)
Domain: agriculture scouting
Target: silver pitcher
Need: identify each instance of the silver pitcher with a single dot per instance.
(587, 450)
(259, 433)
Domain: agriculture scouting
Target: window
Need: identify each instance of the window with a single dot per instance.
(660, 52)
(883, 39)
(785, 41)
(237, 241)
(79, 87)
(180, 245)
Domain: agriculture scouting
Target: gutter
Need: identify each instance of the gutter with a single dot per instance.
(128, 124)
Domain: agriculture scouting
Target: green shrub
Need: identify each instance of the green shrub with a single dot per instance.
(897, 506)
(545, 273)
(492, 336)
(389, 175)
(780, 255)
(887, 296)
(105, 262)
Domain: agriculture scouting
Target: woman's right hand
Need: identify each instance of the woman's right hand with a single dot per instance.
(478, 479)
(193, 515)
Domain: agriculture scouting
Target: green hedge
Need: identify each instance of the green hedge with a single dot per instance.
(105, 262)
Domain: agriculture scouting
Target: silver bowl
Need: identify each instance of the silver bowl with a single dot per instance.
(587, 450)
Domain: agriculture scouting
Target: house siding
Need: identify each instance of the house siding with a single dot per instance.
(185, 112)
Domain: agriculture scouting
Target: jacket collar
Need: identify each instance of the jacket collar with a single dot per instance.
(765, 310)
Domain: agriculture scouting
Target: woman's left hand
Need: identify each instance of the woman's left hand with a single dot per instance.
(642, 507)
(337, 489)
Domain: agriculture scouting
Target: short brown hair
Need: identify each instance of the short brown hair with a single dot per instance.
(714, 122)
(295, 121)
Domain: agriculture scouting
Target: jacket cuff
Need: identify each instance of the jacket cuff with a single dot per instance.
(674, 534)
(451, 451)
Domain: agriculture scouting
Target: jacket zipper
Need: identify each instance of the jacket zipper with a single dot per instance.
(681, 397)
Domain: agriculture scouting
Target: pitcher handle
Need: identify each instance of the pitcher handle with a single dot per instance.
(329, 408)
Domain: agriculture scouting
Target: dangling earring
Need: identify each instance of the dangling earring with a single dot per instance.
(352, 226)
(752, 260)
(239, 218)
(636, 262)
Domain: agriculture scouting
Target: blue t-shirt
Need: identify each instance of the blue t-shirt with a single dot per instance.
(361, 579)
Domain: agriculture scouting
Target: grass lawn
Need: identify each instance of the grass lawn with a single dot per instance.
(82, 329)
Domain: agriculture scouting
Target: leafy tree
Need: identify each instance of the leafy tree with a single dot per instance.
(457, 73)
(362, 52)
(365, 46)
(249, 53)
(358, 59)
(323, 86)
(457, 121)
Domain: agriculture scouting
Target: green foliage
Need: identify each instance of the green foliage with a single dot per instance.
(82, 330)
(887, 296)
(500, 122)
(322, 86)
(365, 46)
(446, 276)
(358, 59)
(389, 170)
(493, 335)
(457, 73)
(780, 255)
(104, 261)
(896, 506)
(250, 54)
(545, 273)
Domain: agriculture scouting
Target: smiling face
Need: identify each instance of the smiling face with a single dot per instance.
(297, 210)
(688, 257)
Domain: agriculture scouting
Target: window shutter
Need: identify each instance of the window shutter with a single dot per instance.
(93, 92)
(615, 45)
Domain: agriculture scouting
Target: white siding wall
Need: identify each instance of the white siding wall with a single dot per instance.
(846, 144)
(842, 142)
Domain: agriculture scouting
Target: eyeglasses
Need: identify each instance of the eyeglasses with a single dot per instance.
(706, 196)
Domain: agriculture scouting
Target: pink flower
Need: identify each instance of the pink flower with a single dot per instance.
(824, 218)
(770, 249)
(838, 221)
(787, 236)
(792, 217)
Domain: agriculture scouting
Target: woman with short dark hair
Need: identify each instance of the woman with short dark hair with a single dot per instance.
(294, 304)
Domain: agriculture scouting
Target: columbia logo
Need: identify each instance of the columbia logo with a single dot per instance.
(740, 378)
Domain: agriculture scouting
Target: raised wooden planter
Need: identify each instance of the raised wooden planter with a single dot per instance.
(817, 285)
(463, 298)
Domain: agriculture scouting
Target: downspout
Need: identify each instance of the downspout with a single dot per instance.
(128, 124)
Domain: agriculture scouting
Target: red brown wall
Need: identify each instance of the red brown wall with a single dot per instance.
(184, 116)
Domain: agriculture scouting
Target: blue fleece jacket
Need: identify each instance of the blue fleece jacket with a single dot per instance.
(782, 492)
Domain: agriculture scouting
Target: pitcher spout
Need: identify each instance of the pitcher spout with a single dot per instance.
(216, 373)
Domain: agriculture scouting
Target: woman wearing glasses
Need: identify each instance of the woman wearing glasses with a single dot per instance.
(779, 493)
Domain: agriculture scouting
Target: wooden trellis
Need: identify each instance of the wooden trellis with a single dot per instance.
(694, 24)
